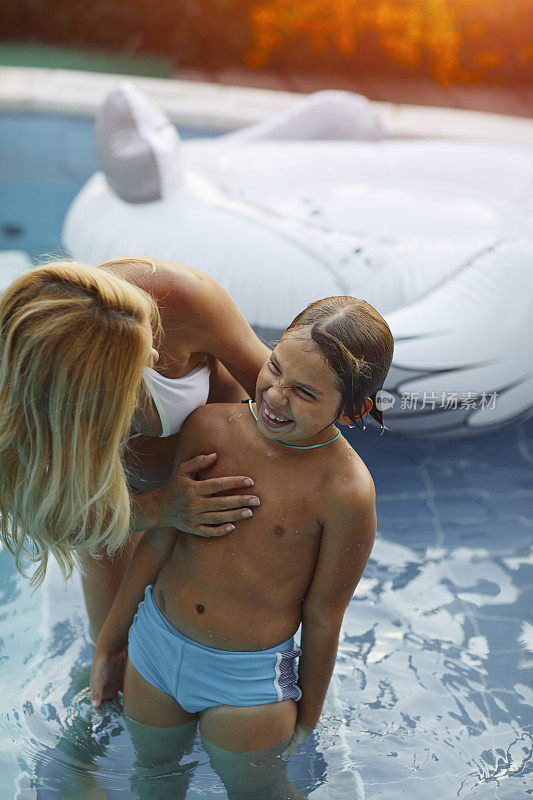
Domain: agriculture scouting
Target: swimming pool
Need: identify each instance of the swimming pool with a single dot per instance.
(432, 687)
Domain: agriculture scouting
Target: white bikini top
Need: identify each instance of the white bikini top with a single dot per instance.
(176, 398)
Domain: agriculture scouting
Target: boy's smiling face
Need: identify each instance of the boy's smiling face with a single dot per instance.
(297, 397)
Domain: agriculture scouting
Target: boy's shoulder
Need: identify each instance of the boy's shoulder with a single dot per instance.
(349, 485)
(212, 418)
(348, 509)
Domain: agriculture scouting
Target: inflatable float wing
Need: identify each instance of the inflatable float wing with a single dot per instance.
(462, 362)
(415, 227)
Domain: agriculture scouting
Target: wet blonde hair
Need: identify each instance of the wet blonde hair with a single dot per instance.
(73, 344)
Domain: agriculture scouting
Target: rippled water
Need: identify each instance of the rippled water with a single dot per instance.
(431, 693)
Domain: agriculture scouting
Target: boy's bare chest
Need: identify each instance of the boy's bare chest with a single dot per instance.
(268, 561)
(271, 554)
(289, 491)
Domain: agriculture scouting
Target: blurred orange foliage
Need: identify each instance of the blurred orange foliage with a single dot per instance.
(413, 33)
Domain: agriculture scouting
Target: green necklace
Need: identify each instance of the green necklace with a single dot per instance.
(296, 446)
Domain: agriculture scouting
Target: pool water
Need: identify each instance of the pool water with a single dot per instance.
(432, 691)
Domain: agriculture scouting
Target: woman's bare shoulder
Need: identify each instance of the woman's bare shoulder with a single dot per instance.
(159, 277)
(185, 296)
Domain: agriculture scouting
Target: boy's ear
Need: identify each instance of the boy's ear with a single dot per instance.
(344, 419)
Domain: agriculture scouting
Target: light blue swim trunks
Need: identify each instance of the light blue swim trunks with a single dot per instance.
(200, 677)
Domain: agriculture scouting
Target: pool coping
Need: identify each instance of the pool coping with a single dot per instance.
(211, 106)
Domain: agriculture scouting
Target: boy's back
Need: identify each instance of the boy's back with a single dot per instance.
(244, 590)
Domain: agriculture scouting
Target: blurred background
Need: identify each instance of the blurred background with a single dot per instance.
(461, 53)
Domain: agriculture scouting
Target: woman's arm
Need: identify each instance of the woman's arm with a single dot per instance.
(349, 529)
(151, 553)
(213, 324)
(230, 338)
(198, 316)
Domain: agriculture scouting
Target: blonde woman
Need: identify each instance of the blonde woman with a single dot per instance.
(99, 367)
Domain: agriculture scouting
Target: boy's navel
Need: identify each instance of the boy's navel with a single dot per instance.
(279, 531)
(200, 608)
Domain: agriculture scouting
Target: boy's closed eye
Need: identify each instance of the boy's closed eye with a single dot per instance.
(305, 394)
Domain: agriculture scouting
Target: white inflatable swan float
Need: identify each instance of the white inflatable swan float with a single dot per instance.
(315, 202)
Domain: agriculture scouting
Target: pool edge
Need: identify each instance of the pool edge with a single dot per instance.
(210, 106)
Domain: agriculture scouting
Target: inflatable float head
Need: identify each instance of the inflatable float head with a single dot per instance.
(137, 147)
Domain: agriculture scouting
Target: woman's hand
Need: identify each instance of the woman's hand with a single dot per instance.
(193, 507)
(301, 732)
(107, 675)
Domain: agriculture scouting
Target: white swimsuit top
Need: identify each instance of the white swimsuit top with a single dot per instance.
(176, 398)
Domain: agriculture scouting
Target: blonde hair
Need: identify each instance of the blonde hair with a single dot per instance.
(73, 344)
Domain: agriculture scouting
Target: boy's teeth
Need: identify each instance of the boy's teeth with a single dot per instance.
(272, 416)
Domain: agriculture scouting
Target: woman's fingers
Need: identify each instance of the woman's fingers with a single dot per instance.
(107, 677)
(97, 682)
(215, 517)
(193, 466)
(218, 523)
(193, 505)
(232, 501)
(212, 531)
(217, 485)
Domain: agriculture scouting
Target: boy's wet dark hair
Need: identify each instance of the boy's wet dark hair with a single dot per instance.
(358, 346)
